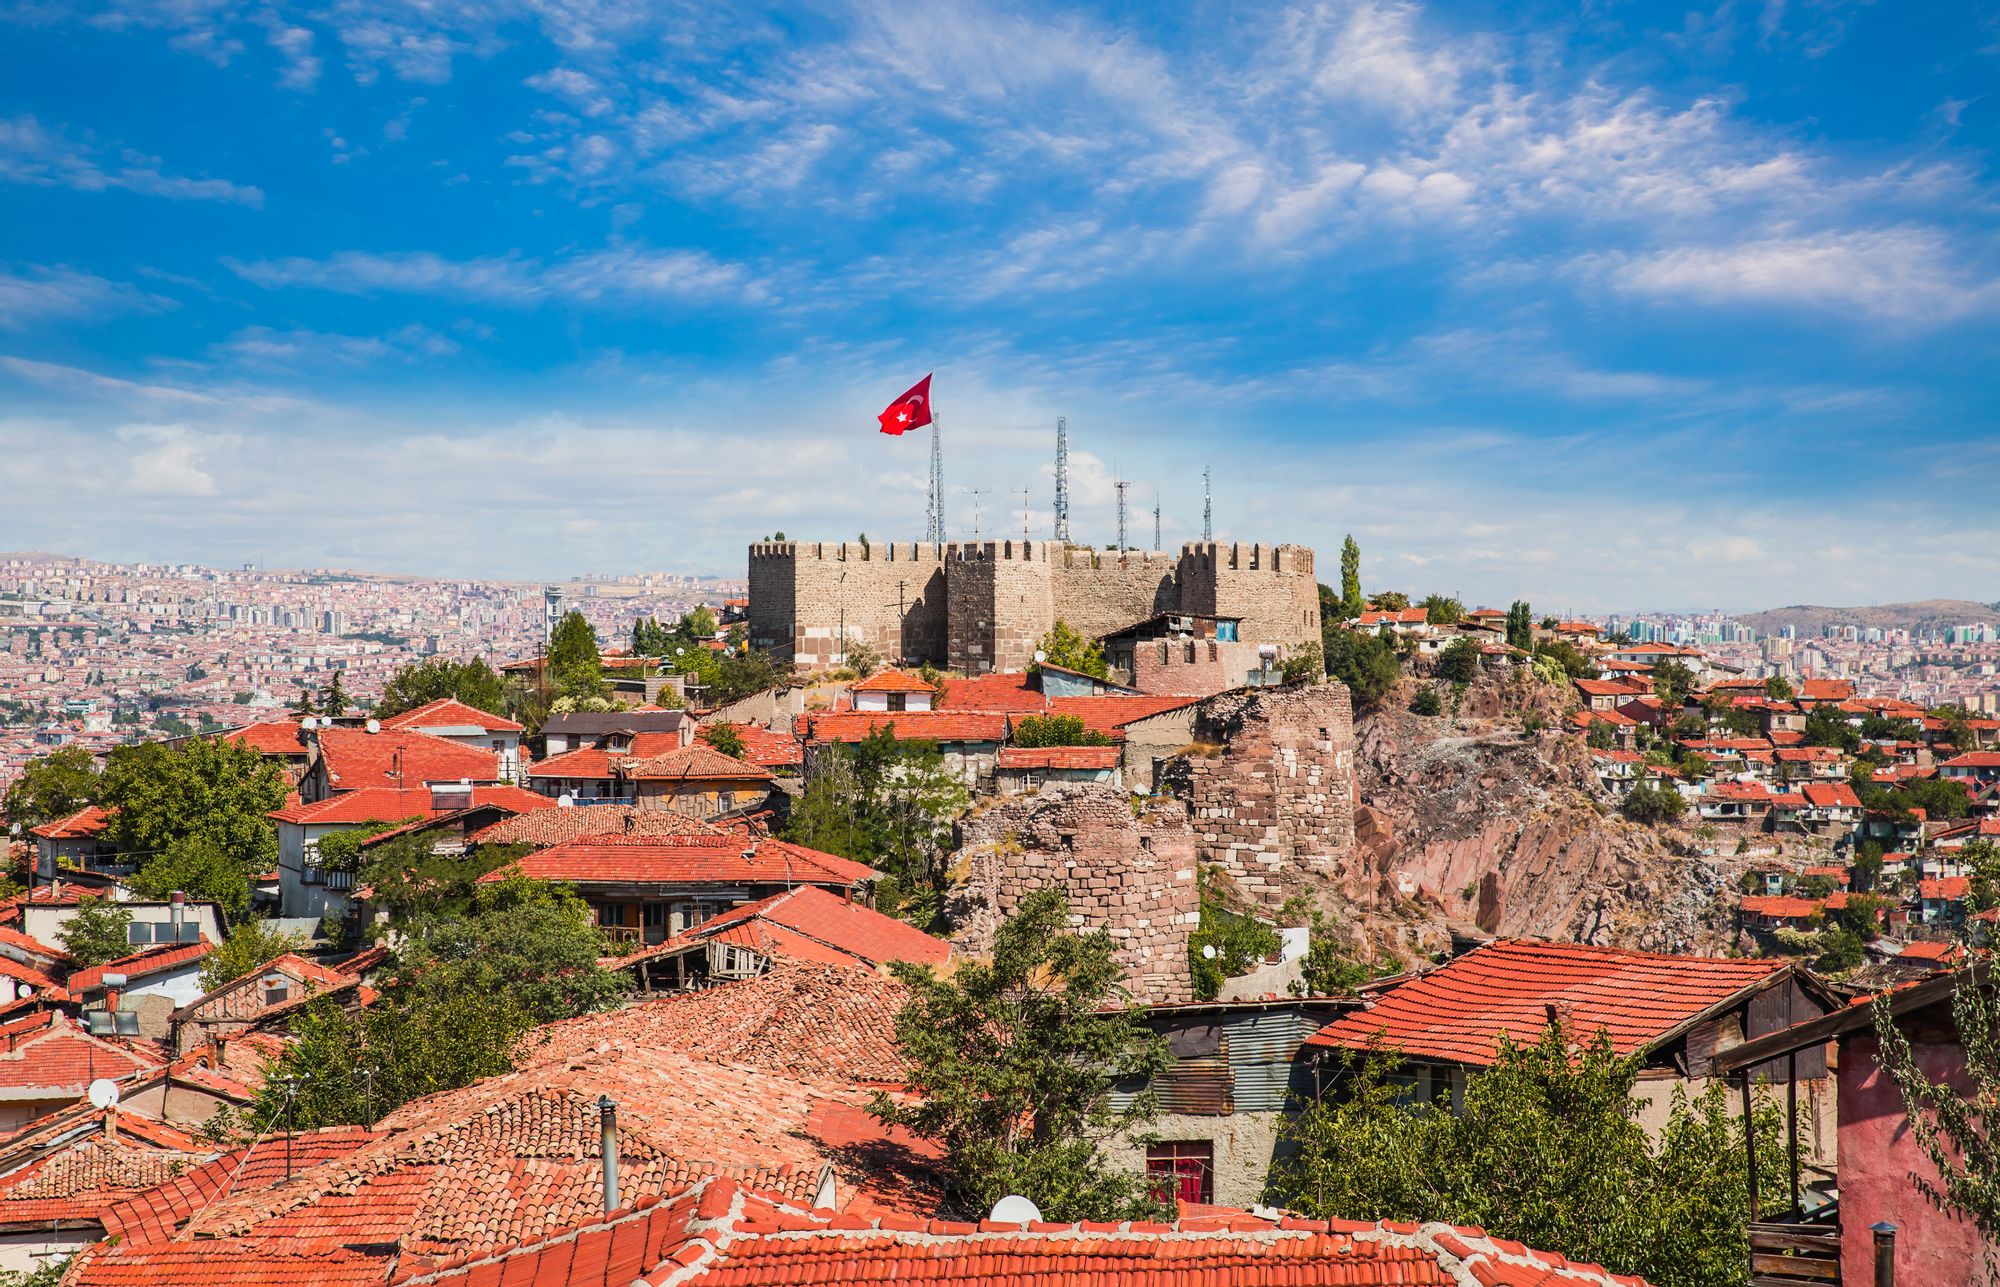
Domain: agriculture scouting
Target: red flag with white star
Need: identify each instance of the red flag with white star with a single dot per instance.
(911, 411)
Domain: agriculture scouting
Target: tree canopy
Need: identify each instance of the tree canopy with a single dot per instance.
(1011, 1067)
(1351, 602)
(1364, 660)
(1544, 1148)
(575, 669)
(1056, 730)
(889, 804)
(98, 932)
(472, 682)
(203, 789)
(251, 944)
(1064, 647)
(52, 786)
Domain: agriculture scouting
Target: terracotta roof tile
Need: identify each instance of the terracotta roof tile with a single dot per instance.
(355, 758)
(1460, 1010)
(911, 726)
(448, 712)
(393, 804)
(762, 746)
(724, 859)
(154, 960)
(1057, 757)
(891, 681)
(554, 826)
(86, 823)
(821, 927)
(270, 737)
(699, 761)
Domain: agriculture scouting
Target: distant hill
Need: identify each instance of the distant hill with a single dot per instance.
(1925, 614)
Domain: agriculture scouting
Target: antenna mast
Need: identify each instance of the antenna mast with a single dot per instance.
(935, 532)
(1025, 512)
(1121, 485)
(1207, 509)
(1062, 479)
(1156, 522)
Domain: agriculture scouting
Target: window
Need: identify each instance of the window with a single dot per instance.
(277, 989)
(1182, 1169)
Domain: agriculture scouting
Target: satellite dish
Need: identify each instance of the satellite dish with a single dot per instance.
(1015, 1209)
(103, 1093)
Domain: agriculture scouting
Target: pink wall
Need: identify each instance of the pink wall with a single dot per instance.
(1878, 1153)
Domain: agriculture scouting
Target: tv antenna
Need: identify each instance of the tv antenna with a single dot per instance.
(1026, 534)
(1207, 509)
(935, 532)
(1156, 522)
(1121, 485)
(1062, 479)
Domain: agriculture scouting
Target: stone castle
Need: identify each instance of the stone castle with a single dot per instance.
(980, 606)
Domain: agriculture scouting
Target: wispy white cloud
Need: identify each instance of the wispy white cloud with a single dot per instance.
(618, 274)
(38, 294)
(32, 153)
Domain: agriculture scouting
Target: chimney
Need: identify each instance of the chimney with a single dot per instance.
(177, 908)
(631, 823)
(607, 1121)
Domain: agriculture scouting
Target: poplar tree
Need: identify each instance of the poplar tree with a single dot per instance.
(1351, 602)
(574, 665)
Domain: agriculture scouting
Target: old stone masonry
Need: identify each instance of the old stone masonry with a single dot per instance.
(980, 606)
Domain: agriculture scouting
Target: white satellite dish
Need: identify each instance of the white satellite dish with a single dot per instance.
(103, 1093)
(1015, 1209)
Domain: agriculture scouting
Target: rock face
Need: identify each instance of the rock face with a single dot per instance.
(1131, 876)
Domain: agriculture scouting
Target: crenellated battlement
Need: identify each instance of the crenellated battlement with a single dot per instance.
(982, 605)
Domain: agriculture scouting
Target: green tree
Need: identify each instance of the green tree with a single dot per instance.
(1521, 625)
(414, 884)
(1568, 658)
(699, 623)
(888, 804)
(1011, 1067)
(1672, 681)
(574, 667)
(1459, 661)
(1427, 702)
(1546, 1149)
(52, 786)
(1866, 870)
(1778, 688)
(1351, 602)
(1225, 943)
(724, 738)
(457, 997)
(1389, 600)
(199, 867)
(334, 700)
(1064, 647)
(472, 682)
(203, 788)
(98, 932)
(1442, 609)
(251, 944)
(1646, 802)
(1363, 660)
(1056, 730)
(1826, 726)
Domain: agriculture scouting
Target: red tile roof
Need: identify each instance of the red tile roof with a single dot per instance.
(86, 823)
(355, 758)
(1825, 690)
(554, 826)
(1400, 617)
(719, 1234)
(49, 1056)
(891, 681)
(697, 762)
(278, 738)
(762, 746)
(393, 804)
(1111, 713)
(1782, 906)
(154, 1215)
(448, 712)
(154, 960)
(596, 761)
(1974, 760)
(812, 925)
(927, 726)
(1460, 1010)
(76, 1181)
(1947, 888)
(1831, 795)
(1057, 757)
(682, 860)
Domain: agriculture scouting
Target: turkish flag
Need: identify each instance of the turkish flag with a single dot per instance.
(911, 411)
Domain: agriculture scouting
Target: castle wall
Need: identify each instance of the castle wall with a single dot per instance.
(1133, 878)
(981, 606)
(999, 604)
(799, 590)
(1098, 591)
(1280, 800)
(1271, 587)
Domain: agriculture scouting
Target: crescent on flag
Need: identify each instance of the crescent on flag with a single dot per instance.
(910, 411)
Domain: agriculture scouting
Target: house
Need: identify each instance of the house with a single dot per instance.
(136, 994)
(347, 759)
(1941, 900)
(308, 888)
(248, 1001)
(970, 743)
(1981, 768)
(891, 690)
(1816, 692)
(1879, 1155)
(589, 773)
(697, 781)
(58, 1177)
(1798, 763)
(805, 924)
(75, 841)
(1747, 803)
(764, 747)
(1018, 769)
(1673, 1013)
(41, 913)
(454, 721)
(554, 826)
(1236, 1076)
(1624, 729)
(48, 1060)
(571, 731)
(1760, 913)
(1607, 694)
(647, 889)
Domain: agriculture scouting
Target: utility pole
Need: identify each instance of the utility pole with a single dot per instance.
(977, 492)
(1121, 485)
(1025, 533)
(1207, 509)
(1062, 479)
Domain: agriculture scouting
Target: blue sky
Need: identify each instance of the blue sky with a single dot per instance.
(1608, 305)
